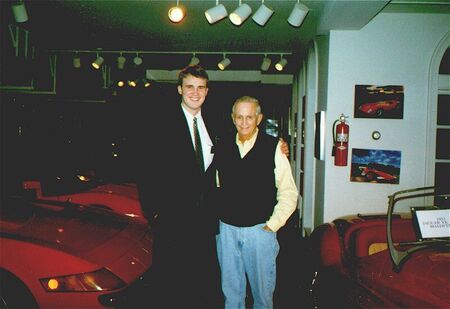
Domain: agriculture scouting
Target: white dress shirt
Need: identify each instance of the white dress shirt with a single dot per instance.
(204, 136)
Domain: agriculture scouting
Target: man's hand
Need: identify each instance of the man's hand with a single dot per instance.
(266, 228)
(284, 147)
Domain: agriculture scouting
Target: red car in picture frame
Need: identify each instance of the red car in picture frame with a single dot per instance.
(379, 107)
(382, 260)
(379, 173)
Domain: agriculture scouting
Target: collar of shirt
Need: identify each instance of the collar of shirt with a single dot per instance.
(246, 146)
(204, 136)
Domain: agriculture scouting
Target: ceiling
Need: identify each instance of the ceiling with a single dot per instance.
(143, 25)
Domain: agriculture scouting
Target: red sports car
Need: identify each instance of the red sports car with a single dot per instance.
(88, 189)
(62, 254)
(379, 261)
(379, 172)
(379, 107)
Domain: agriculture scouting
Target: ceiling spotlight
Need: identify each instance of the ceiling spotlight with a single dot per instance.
(224, 63)
(121, 62)
(216, 13)
(262, 15)
(76, 61)
(176, 13)
(19, 12)
(137, 60)
(132, 83)
(98, 62)
(298, 14)
(120, 83)
(265, 63)
(240, 14)
(146, 83)
(281, 64)
(194, 60)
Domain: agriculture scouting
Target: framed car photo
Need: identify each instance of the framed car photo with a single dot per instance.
(375, 166)
(379, 102)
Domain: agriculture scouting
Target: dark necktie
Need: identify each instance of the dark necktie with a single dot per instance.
(198, 147)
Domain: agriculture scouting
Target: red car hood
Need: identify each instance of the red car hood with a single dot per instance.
(427, 268)
(122, 198)
(96, 235)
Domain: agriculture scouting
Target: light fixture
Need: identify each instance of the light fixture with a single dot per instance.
(262, 15)
(98, 62)
(137, 60)
(194, 60)
(240, 14)
(121, 62)
(19, 12)
(76, 61)
(216, 13)
(265, 63)
(176, 13)
(146, 83)
(281, 64)
(132, 83)
(120, 78)
(298, 14)
(224, 63)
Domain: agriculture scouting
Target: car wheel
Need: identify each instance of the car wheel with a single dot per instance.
(379, 112)
(13, 293)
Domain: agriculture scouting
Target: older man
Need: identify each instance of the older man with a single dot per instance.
(257, 196)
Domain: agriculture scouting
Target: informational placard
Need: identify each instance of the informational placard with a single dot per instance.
(434, 223)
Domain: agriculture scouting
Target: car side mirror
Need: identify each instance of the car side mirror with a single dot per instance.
(34, 187)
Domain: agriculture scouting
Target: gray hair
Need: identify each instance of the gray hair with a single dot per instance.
(249, 99)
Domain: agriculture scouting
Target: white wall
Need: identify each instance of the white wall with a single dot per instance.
(393, 49)
(309, 161)
(322, 47)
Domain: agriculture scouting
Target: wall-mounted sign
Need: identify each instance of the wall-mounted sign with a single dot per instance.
(432, 223)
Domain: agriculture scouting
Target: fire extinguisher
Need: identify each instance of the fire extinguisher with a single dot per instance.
(340, 141)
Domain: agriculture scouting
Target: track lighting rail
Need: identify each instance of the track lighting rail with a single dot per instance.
(142, 52)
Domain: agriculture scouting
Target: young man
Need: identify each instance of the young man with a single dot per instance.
(256, 197)
(174, 190)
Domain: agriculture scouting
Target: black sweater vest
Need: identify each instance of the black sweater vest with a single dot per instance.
(247, 192)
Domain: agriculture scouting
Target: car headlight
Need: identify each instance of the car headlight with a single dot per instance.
(100, 280)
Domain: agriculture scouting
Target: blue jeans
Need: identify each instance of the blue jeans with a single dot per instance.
(252, 251)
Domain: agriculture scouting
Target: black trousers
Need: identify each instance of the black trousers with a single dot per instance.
(186, 272)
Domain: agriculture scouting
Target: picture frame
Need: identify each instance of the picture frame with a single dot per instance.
(375, 166)
(379, 102)
(319, 136)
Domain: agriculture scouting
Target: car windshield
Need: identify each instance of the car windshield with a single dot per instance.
(16, 210)
(60, 224)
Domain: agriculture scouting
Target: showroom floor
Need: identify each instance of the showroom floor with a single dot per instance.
(294, 271)
(293, 274)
